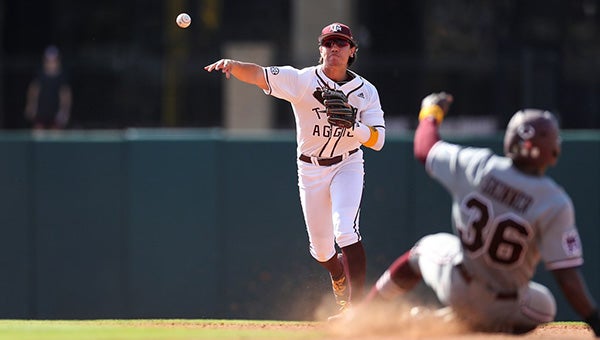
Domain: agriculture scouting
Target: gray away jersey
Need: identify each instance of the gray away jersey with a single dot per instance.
(507, 221)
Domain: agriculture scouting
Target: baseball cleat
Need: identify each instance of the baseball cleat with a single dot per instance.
(340, 288)
(345, 313)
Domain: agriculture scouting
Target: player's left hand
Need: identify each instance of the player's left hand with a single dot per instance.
(436, 105)
(339, 112)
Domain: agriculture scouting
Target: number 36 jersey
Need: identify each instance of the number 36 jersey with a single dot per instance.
(507, 221)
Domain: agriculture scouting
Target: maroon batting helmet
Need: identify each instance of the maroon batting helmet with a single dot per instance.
(532, 139)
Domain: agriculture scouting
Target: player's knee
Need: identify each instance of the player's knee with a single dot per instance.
(322, 255)
(439, 241)
(405, 271)
(345, 240)
(387, 288)
(538, 304)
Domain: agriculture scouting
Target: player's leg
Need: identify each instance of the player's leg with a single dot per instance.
(536, 306)
(313, 186)
(346, 194)
(437, 255)
(356, 265)
(485, 312)
(429, 260)
(316, 207)
(400, 277)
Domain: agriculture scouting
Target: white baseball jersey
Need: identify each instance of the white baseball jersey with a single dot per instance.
(330, 195)
(314, 135)
(507, 221)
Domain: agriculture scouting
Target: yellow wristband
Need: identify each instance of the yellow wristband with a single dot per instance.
(372, 138)
(434, 111)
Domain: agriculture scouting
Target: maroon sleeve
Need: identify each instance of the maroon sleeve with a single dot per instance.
(426, 136)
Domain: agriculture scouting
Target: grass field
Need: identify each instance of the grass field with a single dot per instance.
(239, 329)
(156, 330)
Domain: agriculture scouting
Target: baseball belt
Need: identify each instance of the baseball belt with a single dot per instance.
(327, 161)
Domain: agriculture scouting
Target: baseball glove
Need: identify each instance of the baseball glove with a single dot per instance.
(339, 112)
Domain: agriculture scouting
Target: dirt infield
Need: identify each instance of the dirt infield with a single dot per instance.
(420, 323)
(418, 330)
(570, 331)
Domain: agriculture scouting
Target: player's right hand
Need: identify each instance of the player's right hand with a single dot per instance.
(436, 105)
(225, 65)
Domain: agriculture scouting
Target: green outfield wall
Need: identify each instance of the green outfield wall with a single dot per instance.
(203, 224)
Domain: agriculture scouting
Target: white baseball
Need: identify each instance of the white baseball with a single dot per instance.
(183, 20)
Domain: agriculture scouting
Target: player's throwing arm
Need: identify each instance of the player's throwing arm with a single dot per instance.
(247, 72)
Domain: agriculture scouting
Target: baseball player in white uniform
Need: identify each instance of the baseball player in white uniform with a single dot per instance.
(329, 157)
(507, 217)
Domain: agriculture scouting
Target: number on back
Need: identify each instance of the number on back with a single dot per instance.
(501, 239)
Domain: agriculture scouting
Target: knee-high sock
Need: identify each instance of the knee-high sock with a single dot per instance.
(356, 263)
(334, 267)
(397, 279)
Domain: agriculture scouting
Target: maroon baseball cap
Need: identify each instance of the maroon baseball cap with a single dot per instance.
(337, 30)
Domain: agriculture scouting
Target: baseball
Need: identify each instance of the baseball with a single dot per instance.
(183, 20)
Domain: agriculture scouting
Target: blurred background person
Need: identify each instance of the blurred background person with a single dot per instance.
(49, 95)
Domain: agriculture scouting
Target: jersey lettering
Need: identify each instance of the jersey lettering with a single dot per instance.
(502, 192)
(331, 131)
(318, 112)
(501, 239)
